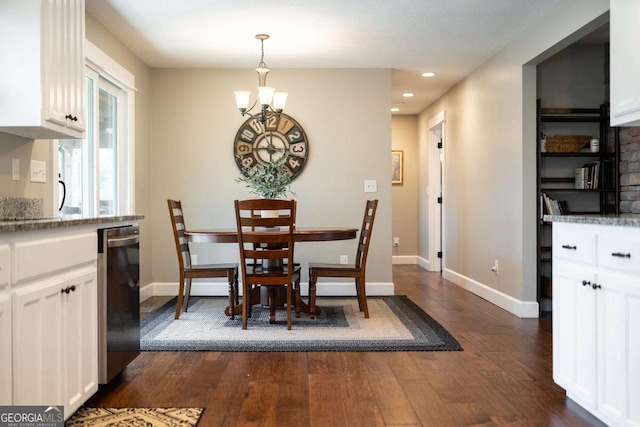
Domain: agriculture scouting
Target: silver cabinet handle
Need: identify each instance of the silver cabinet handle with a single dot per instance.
(123, 241)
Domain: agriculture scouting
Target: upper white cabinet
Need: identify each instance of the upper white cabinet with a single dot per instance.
(625, 62)
(42, 72)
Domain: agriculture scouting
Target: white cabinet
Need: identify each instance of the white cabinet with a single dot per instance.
(625, 62)
(54, 293)
(5, 327)
(574, 325)
(80, 326)
(37, 343)
(42, 76)
(596, 319)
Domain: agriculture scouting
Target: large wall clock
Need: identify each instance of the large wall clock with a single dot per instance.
(283, 137)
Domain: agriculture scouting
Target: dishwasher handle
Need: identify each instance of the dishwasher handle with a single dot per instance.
(117, 242)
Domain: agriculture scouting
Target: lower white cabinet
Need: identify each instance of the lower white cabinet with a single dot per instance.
(5, 327)
(80, 330)
(54, 320)
(596, 320)
(574, 327)
(37, 343)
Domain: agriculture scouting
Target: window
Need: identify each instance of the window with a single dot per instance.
(96, 173)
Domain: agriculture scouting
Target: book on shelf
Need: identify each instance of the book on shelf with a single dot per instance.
(549, 206)
(588, 176)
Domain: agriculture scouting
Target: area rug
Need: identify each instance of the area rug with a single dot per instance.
(395, 324)
(156, 417)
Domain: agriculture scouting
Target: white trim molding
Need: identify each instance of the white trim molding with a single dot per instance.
(424, 263)
(523, 309)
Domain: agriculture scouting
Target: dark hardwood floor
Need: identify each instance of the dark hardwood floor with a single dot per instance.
(502, 378)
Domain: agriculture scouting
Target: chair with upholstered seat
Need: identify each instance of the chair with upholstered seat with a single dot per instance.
(265, 241)
(356, 271)
(199, 271)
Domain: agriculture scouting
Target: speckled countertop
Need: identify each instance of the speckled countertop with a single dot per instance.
(48, 223)
(625, 220)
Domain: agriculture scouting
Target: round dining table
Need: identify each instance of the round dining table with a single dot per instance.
(304, 234)
(299, 235)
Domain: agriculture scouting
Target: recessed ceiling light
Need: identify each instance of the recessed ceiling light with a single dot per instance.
(428, 74)
(395, 109)
(407, 95)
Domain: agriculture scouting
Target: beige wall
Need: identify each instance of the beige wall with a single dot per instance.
(345, 115)
(489, 184)
(25, 150)
(109, 44)
(404, 131)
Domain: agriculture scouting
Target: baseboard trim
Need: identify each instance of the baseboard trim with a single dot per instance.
(424, 263)
(523, 309)
(222, 289)
(404, 259)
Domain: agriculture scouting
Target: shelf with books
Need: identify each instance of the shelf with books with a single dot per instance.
(573, 180)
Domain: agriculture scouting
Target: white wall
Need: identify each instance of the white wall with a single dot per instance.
(490, 161)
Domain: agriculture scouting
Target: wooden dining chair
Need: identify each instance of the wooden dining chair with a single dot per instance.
(267, 238)
(356, 271)
(189, 271)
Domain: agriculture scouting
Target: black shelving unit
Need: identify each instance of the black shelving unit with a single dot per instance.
(555, 176)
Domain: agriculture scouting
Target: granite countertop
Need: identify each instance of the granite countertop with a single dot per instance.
(624, 220)
(48, 223)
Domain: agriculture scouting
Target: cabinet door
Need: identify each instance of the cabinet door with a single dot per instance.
(5, 327)
(63, 65)
(619, 348)
(80, 327)
(5, 350)
(625, 62)
(574, 332)
(37, 349)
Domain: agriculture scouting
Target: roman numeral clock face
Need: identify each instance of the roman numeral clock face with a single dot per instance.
(283, 137)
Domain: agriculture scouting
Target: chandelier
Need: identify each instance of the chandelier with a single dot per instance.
(271, 102)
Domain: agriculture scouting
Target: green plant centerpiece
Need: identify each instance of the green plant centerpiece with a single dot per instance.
(270, 180)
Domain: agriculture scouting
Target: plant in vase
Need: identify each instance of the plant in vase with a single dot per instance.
(270, 181)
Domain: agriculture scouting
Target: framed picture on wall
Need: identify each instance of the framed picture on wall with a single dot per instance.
(397, 166)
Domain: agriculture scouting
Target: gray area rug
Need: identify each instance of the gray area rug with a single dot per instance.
(395, 324)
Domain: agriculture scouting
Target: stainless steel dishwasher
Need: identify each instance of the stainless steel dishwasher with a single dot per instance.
(118, 300)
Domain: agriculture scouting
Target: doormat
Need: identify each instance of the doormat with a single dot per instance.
(395, 324)
(156, 417)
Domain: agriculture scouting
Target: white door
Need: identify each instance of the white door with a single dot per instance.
(79, 324)
(436, 200)
(37, 339)
(574, 332)
(619, 348)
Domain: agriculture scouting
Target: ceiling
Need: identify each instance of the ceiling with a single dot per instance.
(448, 37)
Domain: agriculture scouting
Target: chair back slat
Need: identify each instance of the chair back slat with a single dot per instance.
(365, 233)
(268, 235)
(179, 227)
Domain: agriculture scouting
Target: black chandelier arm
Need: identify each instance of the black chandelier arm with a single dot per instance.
(261, 116)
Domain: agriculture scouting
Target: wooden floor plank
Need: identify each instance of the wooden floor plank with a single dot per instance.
(503, 377)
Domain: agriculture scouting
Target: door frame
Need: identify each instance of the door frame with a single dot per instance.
(436, 133)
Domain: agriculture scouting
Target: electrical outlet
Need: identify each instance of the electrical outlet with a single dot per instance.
(194, 259)
(396, 241)
(370, 186)
(344, 259)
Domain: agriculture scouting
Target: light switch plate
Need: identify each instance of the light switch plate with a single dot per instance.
(370, 186)
(38, 171)
(15, 169)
